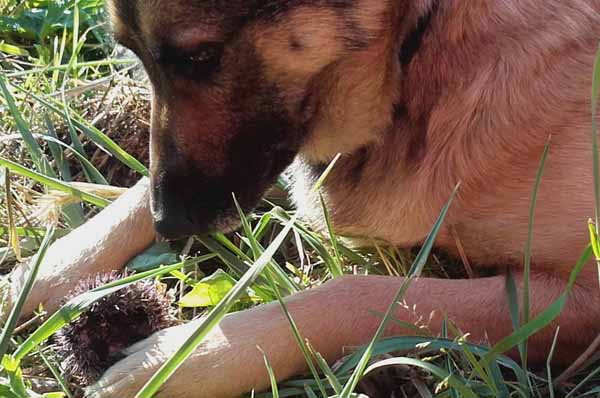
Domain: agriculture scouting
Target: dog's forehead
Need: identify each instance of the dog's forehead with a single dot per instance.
(152, 24)
(158, 17)
(149, 14)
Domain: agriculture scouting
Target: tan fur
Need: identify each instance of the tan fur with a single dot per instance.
(103, 244)
(477, 104)
(361, 107)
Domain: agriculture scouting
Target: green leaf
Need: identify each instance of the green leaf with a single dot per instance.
(152, 258)
(209, 291)
(13, 50)
(6, 392)
(329, 374)
(213, 318)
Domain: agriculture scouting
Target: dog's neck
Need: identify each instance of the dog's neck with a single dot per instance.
(466, 104)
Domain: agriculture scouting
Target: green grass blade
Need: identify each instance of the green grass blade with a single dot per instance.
(483, 372)
(77, 144)
(313, 240)
(77, 305)
(415, 271)
(329, 374)
(321, 180)
(281, 278)
(426, 345)
(215, 245)
(309, 392)
(299, 339)
(583, 382)
(237, 266)
(596, 160)
(56, 373)
(95, 135)
(549, 364)
(263, 226)
(53, 183)
(57, 153)
(73, 213)
(525, 311)
(448, 362)
(15, 376)
(216, 315)
(272, 378)
(336, 269)
(35, 151)
(59, 68)
(513, 299)
(213, 318)
(257, 251)
(15, 312)
(56, 142)
(452, 381)
(544, 318)
(529, 329)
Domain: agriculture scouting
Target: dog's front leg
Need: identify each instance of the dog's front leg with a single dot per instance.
(104, 243)
(338, 314)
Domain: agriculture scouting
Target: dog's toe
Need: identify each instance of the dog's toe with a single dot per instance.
(128, 376)
(122, 380)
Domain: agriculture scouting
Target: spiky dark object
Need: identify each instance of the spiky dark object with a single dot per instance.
(94, 341)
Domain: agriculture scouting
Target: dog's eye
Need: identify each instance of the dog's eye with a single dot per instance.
(198, 64)
(206, 53)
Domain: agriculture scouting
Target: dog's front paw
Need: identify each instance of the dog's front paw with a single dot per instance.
(227, 363)
(128, 376)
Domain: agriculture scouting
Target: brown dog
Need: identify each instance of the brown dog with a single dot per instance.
(417, 95)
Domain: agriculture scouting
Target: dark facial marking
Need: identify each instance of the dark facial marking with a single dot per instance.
(295, 43)
(316, 170)
(198, 64)
(356, 168)
(417, 141)
(416, 130)
(400, 112)
(412, 42)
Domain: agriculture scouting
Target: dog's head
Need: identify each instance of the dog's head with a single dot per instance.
(235, 97)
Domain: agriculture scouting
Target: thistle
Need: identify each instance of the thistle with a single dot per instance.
(93, 342)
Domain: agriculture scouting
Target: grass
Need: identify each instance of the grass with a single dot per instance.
(72, 120)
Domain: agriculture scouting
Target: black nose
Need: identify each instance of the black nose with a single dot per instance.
(186, 203)
(173, 208)
(174, 225)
